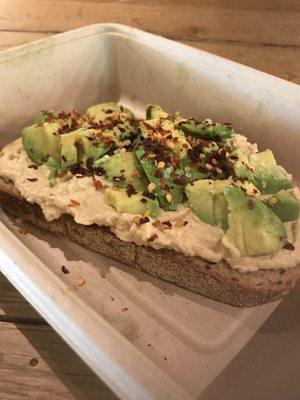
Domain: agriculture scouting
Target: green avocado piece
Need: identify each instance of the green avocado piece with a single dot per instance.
(268, 177)
(241, 167)
(100, 112)
(118, 122)
(42, 141)
(284, 205)
(92, 146)
(176, 140)
(69, 148)
(170, 188)
(155, 111)
(131, 204)
(191, 172)
(207, 201)
(263, 159)
(253, 228)
(123, 169)
(54, 168)
(204, 129)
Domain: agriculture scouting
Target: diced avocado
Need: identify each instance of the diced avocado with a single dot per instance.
(200, 196)
(69, 148)
(263, 159)
(205, 129)
(100, 112)
(92, 146)
(247, 187)
(123, 169)
(284, 205)
(42, 141)
(220, 211)
(242, 167)
(170, 194)
(173, 138)
(253, 228)
(133, 204)
(268, 177)
(207, 201)
(191, 172)
(54, 168)
(155, 111)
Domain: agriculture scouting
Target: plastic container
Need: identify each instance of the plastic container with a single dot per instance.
(145, 338)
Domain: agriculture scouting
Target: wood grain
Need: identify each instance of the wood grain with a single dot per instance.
(59, 373)
(182, 22)
(271, 5)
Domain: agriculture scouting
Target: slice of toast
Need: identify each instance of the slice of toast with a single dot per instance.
(217, 281)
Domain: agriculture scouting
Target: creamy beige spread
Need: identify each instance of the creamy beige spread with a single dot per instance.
(79, 198)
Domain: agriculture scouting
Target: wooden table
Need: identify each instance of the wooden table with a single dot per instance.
(35, 363)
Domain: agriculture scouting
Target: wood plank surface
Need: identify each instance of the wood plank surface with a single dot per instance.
(35, 363)
(181, 22)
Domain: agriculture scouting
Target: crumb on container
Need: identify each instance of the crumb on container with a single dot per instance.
(80, 281)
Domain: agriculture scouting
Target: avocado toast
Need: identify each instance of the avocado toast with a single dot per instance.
(193, 203)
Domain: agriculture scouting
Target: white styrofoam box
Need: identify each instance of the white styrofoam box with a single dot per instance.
(146, 338)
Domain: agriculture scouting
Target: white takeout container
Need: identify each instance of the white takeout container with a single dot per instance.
(145, 338)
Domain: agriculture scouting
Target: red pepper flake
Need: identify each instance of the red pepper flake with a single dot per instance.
(162, 183)
(156, 224)
(289, 246)
(185, 223)
(33, 166)
(65, 270)
(61, 174)
(23, 231)
(152, 238)
(250, 204)
(144, 220)
(97, 184)
(174, 160)
(168, 224)
(73, 203)
(32, 179)
(107, 140)
(131, 190)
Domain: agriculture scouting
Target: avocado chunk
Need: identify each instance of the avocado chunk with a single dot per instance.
(115, 121)
(131, 204)
(92, 146)
(69, 148)
(253, 228)
(155, 111)
(124, 169)
(284, 205)
(166, 132)
(42, 141)
(207, 201)
(168, 192)
(241, 167)
(268, 177)
(191, 171)
(207, 129)
(100, 112)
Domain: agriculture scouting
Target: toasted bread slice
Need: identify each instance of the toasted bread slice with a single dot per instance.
(217, 281)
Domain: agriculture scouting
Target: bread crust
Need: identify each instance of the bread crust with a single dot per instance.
(217, 281)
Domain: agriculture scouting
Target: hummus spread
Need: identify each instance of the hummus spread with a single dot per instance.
(189, 235)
